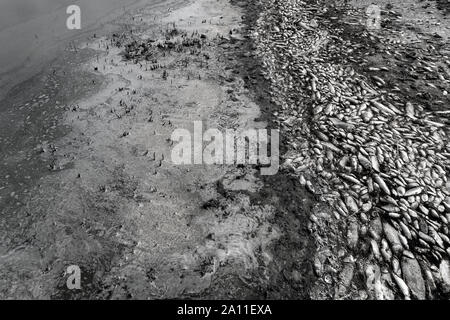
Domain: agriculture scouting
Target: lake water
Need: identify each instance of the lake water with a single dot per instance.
(30, 30)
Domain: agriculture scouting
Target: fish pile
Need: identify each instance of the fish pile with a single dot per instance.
(384, 162)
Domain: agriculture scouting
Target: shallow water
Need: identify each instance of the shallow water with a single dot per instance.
(13, 12)
(32, 30)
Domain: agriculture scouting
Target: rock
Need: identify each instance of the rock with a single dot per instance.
(413, 277)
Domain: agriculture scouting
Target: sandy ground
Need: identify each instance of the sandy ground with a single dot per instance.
(114, 204)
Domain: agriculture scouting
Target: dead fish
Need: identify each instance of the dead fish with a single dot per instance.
(382, 108)
(341, 124)
(389, 199)
(378, 79)
(370, 187)
(403, 241)
(405, 230)
(331, 88)
(366, 163)
(426, 237)
(396, 266)
(402, 286)
(385, 251)
(351, 204)
(394, 215)
(404, 156)
(393, 108)
(413, 192)
(310, 187)
(350, 178)
(423, 209)
(331, 146)
(343, 162)
(382, 184)
(375, 249)
(375, 163)
(302, 181)
(366, 207)
(390, 208)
